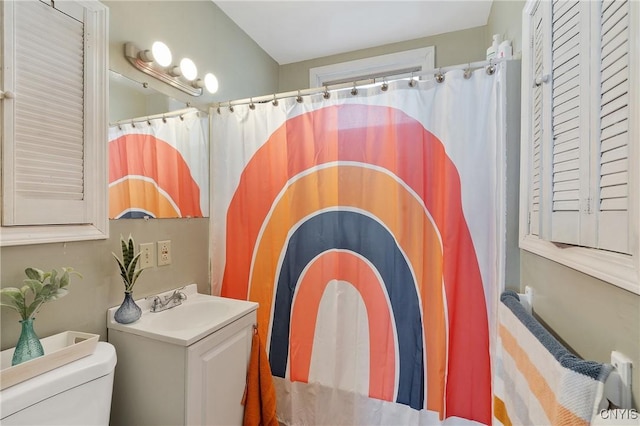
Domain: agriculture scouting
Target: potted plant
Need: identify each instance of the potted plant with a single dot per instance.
(39, 287)
(128, 311)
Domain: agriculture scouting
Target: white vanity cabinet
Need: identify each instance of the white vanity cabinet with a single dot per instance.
(166, 380)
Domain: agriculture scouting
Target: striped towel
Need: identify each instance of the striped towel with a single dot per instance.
(537, 380)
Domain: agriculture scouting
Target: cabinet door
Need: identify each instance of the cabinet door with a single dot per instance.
(217, 372)
(54, 121)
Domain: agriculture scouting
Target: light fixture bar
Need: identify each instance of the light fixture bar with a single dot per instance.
(131, 53)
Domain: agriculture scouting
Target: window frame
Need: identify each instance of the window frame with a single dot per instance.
(95, 131)
(618, 269)
(423, 57)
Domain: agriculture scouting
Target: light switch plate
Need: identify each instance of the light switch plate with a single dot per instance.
(147, 255)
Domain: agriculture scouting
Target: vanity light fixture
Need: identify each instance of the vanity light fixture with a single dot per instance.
(210, 83)
(188, 69)
(157, 63)
(161, 54)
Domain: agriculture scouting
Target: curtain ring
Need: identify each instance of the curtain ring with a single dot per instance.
(299, 98)
(439, 76)
(354, 91)
(384, 86)
(326, 93)
(412, 82)
(252, 106)
(275, 100)
(491, 69)
(467, 72)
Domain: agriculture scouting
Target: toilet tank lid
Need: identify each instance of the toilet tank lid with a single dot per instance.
(22, 395)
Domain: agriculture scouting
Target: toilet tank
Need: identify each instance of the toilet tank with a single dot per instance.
(78, 393)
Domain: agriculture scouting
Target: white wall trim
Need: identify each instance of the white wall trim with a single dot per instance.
(618, 269)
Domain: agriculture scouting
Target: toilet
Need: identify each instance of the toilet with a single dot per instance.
(78, 393)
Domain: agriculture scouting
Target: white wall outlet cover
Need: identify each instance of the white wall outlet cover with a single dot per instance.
(164, 252)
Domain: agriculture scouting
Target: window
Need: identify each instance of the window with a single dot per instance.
(579, 195)
(415, 60)
(54, 65)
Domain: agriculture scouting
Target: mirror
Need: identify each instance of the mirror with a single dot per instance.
(130, 99)
(158, 154)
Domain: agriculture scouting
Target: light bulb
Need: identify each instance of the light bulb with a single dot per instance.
(161, 54)
(188, 69)
(211, 83)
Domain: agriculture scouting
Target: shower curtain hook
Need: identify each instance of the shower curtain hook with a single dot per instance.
(412, 82)
(491, 69)
(384, 86)
(467, 72)
(326, 93)
(230, 107)
(275, 100)
(299, 98)
(119, 126)
(164, 119)
(133, 124)
(252, 106)
(218, 109)
(439, 76)
(354, 91)
(181, 117)
(148, 122)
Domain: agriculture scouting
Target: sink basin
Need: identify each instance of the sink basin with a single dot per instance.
(198, 316)
(190, 315)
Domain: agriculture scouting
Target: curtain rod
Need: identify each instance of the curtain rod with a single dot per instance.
(355, 84)
(155, 116)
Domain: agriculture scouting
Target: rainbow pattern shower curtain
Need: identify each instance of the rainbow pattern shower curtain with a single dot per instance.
(159, 168)
(369, 228)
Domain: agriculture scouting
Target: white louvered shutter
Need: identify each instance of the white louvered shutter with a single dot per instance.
(612, 161)
(537, 53)
(570, 120)
(44, 174)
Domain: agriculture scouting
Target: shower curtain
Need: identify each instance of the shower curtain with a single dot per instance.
(369, 228)
(159, 168)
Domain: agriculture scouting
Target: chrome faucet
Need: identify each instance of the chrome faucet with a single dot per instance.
(161, 303)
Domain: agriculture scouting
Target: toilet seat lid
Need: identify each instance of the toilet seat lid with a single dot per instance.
(22, 395)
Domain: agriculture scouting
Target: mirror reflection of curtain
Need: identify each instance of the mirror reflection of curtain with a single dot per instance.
(159, 168)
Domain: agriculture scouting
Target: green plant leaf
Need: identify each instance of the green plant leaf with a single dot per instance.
(125, 252)
(34, 274)
(131, 269)
(60, 293)
(34, 285)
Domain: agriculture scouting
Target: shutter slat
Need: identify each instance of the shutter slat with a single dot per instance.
(615, 105)
(566, 155)
(619, 166)
(614, 204)
(566, 176)
(615, 155)
(567, 165)
(571, 185)
(614, 179)
(613, 142)
(609, 8)
(618, 117)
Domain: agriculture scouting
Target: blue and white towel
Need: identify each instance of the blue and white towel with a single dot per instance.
(537, 380)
